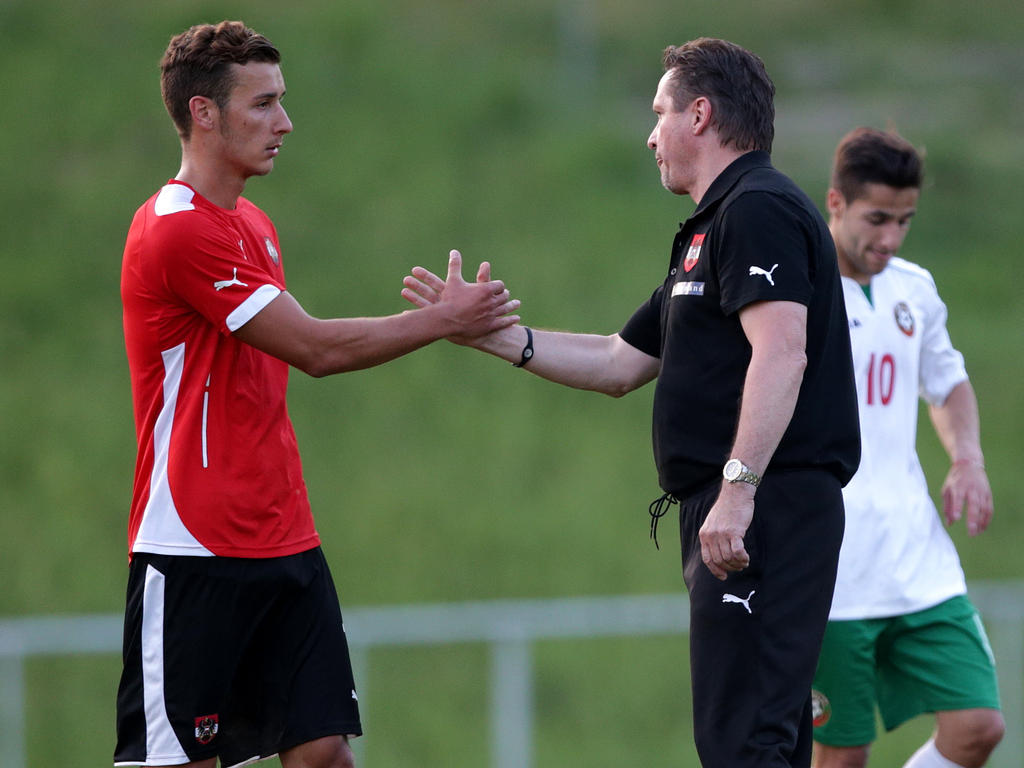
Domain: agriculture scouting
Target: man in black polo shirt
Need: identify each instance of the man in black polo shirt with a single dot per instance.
(748, 341)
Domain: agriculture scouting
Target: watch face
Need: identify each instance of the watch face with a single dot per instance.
(732, 469)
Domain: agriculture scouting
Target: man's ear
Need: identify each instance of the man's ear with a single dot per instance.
(701, 114)
(204, 112)
(835, 202)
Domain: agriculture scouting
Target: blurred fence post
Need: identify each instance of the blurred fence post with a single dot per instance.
(12, 711)
(512, 704)
(42, 636)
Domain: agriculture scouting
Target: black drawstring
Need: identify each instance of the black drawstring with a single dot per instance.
(657, 509)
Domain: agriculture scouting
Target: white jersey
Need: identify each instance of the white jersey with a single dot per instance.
(896, 556)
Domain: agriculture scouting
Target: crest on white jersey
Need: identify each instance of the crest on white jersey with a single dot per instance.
(904, 318)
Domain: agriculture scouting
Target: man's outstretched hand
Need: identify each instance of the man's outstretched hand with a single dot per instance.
(481, 307)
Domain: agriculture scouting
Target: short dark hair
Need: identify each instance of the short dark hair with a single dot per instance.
(734, 80)
(867, 155)
(198, 62)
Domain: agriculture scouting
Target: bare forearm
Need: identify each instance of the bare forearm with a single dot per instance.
(777, 334)
(770, 391)
(966, 491)
(322, 347)
(352, 344)
(769, 399)
(958, 425)
(583, 361)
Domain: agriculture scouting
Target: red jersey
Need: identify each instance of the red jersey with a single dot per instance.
(218, 469)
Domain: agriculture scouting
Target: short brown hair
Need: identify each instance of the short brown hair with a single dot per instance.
(867, 155)
(198, 62)
(734, 80)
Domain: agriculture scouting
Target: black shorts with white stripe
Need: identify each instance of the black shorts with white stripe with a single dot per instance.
(234, 658)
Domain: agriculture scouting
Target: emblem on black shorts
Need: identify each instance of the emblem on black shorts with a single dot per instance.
(904, 318)
(821, 708)
(206, 728)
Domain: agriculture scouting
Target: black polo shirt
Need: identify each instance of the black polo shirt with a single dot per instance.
(755, 236)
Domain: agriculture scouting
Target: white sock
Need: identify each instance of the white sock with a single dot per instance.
(929, 757)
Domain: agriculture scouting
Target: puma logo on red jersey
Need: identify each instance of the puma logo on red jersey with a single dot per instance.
(233, 281)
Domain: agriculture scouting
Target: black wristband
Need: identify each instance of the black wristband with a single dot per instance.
(527, 350)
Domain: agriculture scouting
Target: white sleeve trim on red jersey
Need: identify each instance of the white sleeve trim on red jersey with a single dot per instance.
(249, 308)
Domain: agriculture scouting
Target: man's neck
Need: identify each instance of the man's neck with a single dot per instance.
(710, 167)
(218, 185)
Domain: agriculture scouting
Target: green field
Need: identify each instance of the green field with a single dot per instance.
(515, 132)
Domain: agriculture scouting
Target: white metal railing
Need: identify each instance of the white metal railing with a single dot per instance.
(510, 627)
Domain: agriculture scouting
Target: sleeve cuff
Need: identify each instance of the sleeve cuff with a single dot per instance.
(249, 308)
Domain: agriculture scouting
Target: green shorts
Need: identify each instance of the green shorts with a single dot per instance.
(935, 660)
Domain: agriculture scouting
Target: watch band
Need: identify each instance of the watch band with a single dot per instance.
(735, 471)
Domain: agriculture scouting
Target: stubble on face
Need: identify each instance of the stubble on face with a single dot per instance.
(869, 230)
(254, 121)
(669, 139)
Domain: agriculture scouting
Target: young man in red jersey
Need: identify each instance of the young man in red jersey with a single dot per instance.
(234, 644)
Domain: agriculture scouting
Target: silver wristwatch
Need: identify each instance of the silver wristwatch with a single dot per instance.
(735, 471)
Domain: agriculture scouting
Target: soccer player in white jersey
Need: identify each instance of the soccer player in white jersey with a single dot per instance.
(903, 638)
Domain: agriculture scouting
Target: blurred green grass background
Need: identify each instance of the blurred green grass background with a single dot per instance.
(515, 132)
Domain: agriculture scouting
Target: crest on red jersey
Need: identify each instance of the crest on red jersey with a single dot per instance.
(272, 250)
